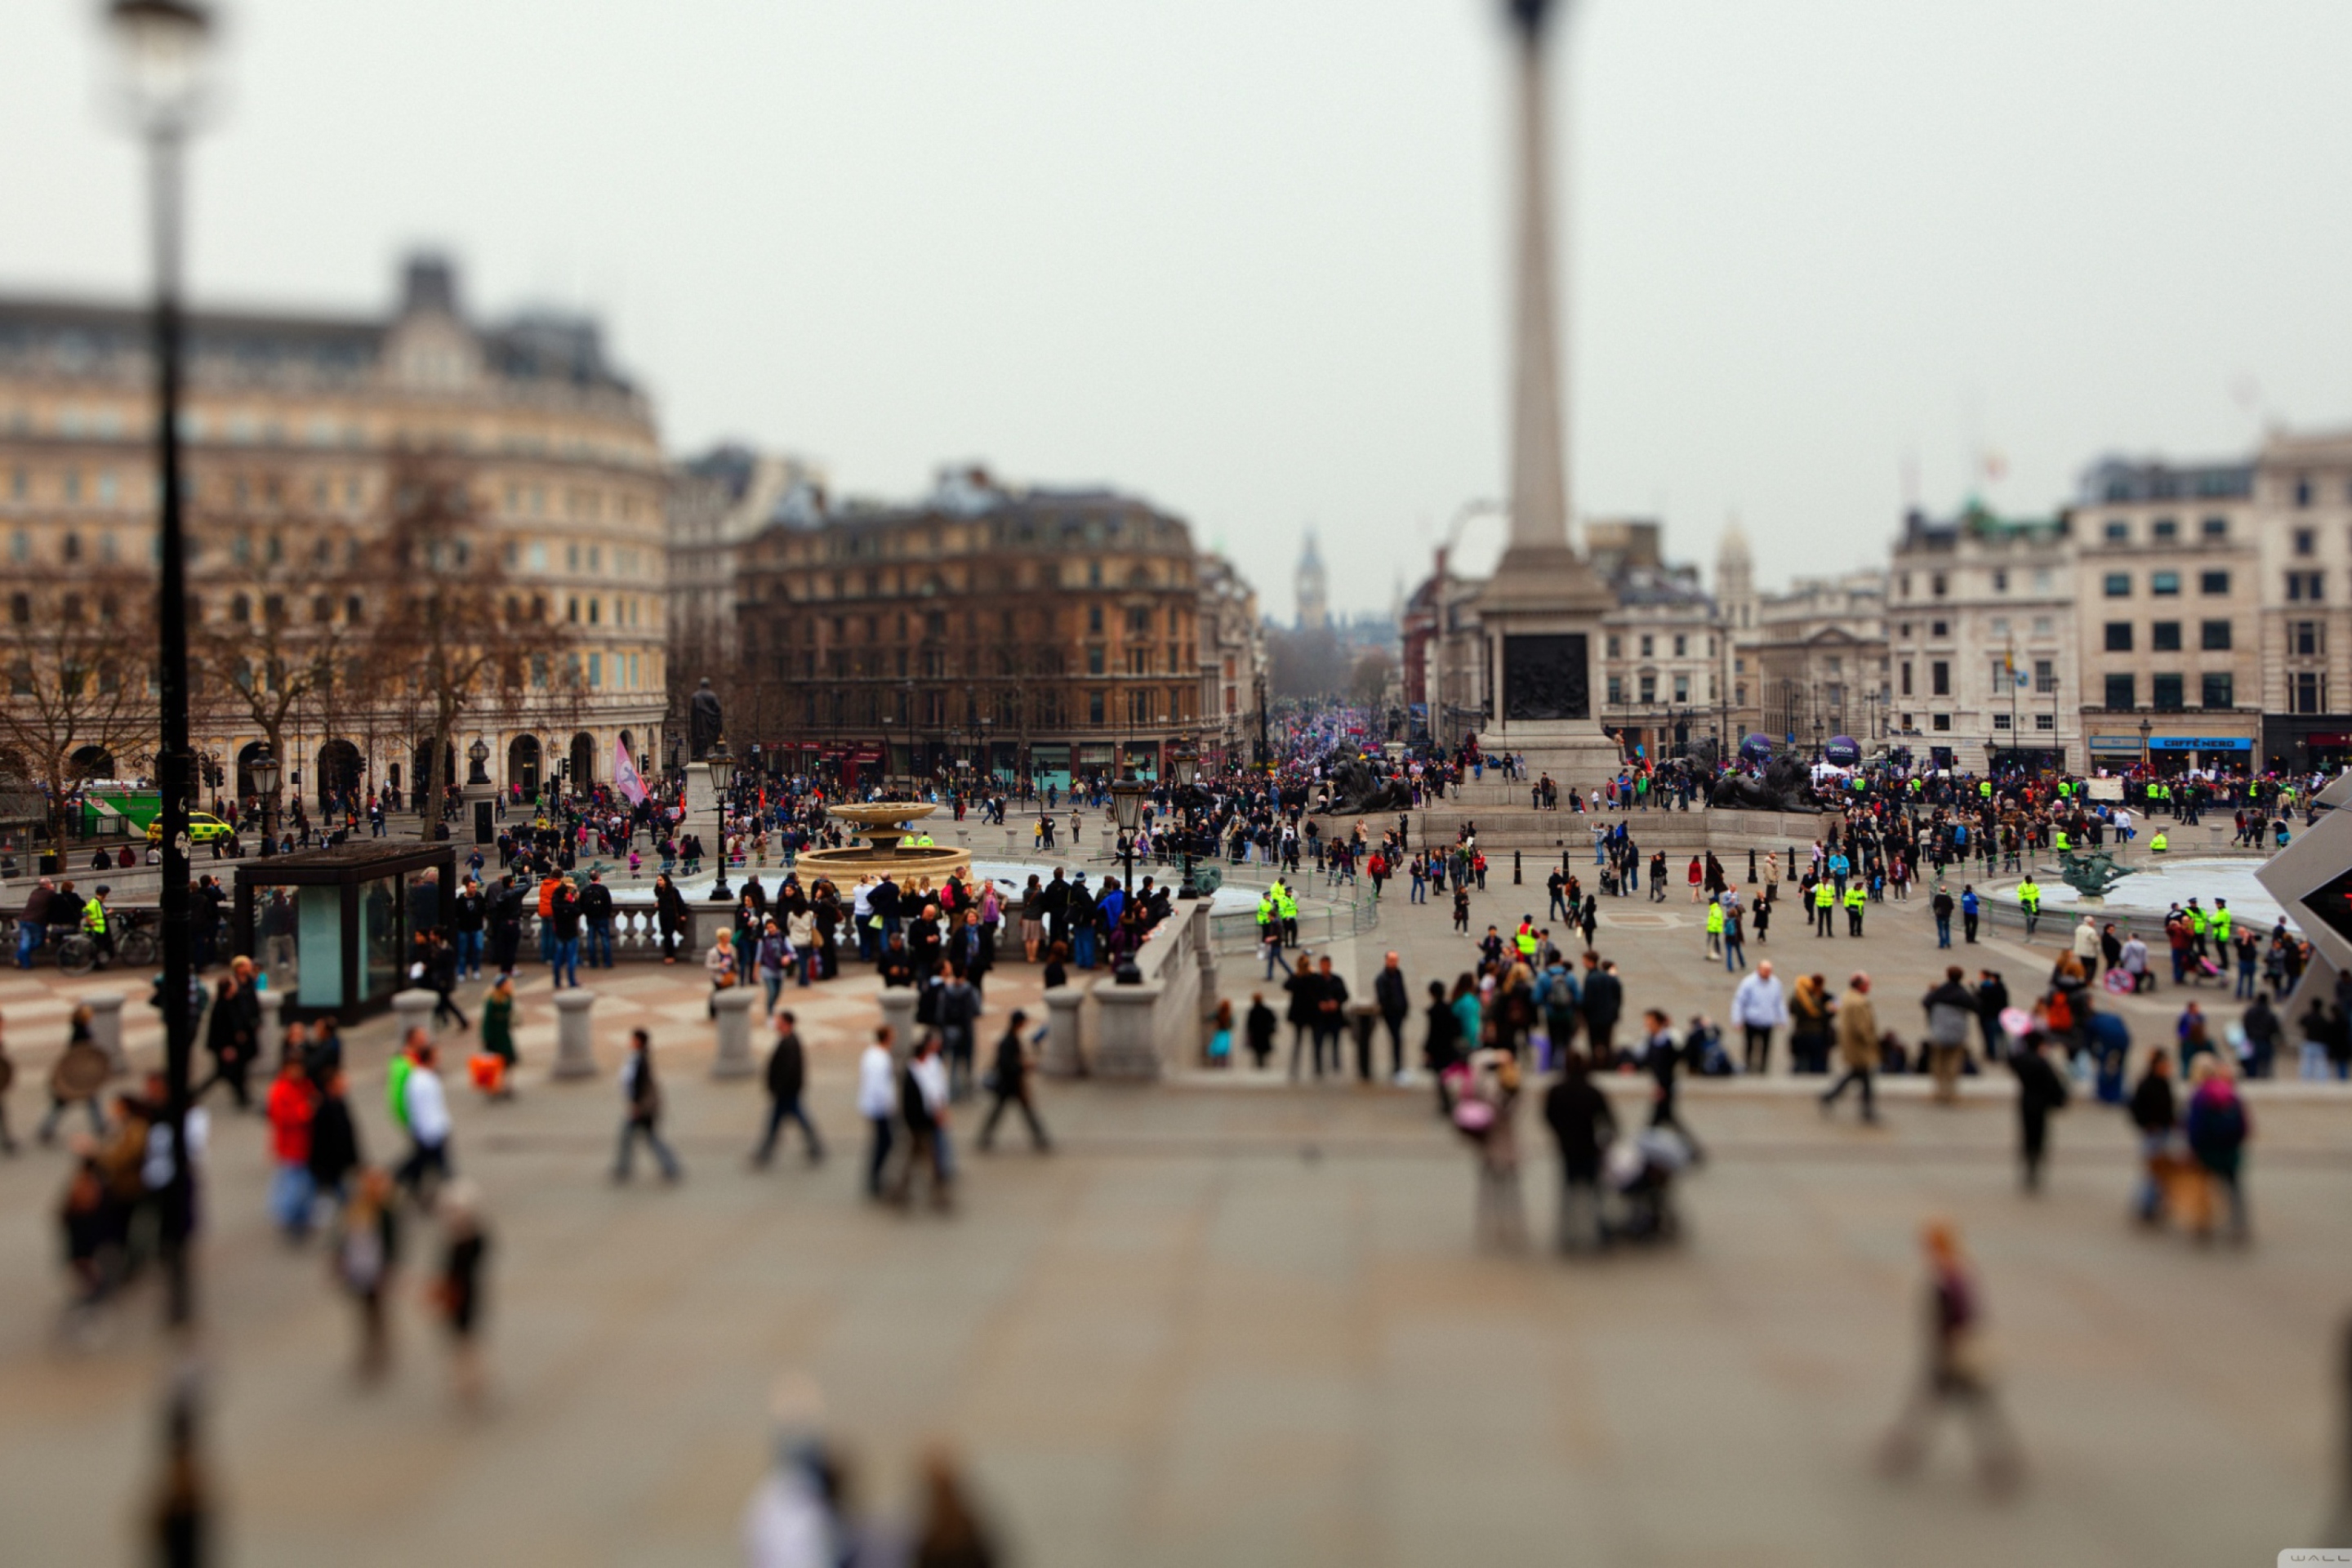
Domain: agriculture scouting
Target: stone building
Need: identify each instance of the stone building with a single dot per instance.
(2302, 509)
(985, 627)
(718, 501)
(2168, 596)
(1232, 664)
(1661, 642)
(298, 430)
(1983, 644)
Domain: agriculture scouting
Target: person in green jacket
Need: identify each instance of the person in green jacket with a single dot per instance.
(498, 1030)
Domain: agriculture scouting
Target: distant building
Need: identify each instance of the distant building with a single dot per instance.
(990, 628)
(1983, 609)
(1313, 589)
(717, 503)
(1661, 660)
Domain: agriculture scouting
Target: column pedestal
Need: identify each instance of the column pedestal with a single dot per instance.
(734, 1058)
(1062, 1057)
(575, 1055)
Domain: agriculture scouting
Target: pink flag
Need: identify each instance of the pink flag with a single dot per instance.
(625, 774)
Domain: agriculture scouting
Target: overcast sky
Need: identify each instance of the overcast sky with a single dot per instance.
(1247, 257)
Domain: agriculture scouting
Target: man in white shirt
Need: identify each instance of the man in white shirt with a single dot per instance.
(878, 1101)
(1758, 1008)
(428, 1123)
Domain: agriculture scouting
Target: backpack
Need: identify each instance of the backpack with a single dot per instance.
(2060, 1012)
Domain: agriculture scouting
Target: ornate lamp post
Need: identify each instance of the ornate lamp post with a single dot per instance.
(476, 755)
(1127, 807)
(163, 49)
(1185, 763)
(265, 769)
(721, 763)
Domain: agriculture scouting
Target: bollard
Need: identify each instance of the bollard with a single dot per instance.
(734, 1058)
(1063, 1057)
(1515, 877)
(272, 1044)
(576, 1056)
(899, 1012)
(106, 1027)
(415, 1007)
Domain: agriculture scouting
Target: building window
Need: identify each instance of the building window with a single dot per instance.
(1938, 630)
(1936, 585)
(1739, 695)
(2221, 689)
(2306, 541)
(2211, 582)
(2118, 585)
(1617, 690)
(2045, 721)
(1681, 646)
(1940, 723)
(1094, 620)
(1648, 689)
(2217, 527)
(1681, 688)
(2000, 721)
(2119, 636)
(2307, 639)
(1094, 708)
(1616, 646)
(2118, 531)
(2304, 588)
(1939, 678)
(2303, 492)
(2166, 695)
(2045, 675)
(2166, 530)
(2310, 695)
(2164, 584)
(1648, 644)
(2122, 692)
(2214, 636)
(2164, 637)
(1907, 678)
(2000, 581)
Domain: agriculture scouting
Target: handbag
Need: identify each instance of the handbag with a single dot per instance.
(1473, 1117)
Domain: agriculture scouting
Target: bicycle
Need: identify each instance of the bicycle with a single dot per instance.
(135, 947)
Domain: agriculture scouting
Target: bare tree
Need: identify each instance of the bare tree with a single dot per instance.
(455, 636)
(78, 649)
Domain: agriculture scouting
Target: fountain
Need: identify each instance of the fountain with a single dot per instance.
(877, 850)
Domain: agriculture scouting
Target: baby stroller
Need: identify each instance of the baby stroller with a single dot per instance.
(1641, 1172)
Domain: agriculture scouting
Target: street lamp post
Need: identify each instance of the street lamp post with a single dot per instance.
(721, 763)
(1185, 763)
(1127, 808)
(163, 47)
(265, 770)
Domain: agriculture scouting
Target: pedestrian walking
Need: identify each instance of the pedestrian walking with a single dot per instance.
(1758, 1007)
(2155, 1115)
(458, 1287)
(1951, 1007)
(1584, 1125)
(498, 1040)
(291, 1107)
(2040, 1089)
(641, 1107)
(366, 1255)
(878, 1101)
(77, 1077)
(787, 1079)
(1955, 1375)
(334, 1140)
(2218, 1130)
(1662, 1058)
(1857, 1041)
(1008, 1081)
(1486, 1115)
(923, 1106)
(424, 1111)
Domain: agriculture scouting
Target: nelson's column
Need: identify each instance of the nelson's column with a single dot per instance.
(1540, 614)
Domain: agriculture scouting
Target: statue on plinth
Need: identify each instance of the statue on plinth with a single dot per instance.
(2091, 874)
(703, 721)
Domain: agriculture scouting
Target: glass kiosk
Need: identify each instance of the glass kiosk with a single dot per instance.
(334, 926)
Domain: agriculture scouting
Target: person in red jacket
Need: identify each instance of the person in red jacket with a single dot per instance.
(292, 1103)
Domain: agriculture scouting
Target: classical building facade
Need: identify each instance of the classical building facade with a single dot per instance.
(1232, 664)
(718, 502)
(2302, 510)
(1983, 644)
(301, 432)
(2167, 599)
(999, 629)
(1661, 644)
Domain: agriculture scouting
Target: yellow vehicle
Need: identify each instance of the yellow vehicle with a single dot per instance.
(203, 828)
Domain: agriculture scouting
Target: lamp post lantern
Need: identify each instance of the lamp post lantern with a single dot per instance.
(476, 755)
(721, 763)
(163, 49)
(1127, 808)
(265, 771)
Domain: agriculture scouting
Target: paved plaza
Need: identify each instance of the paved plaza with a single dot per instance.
(1226, 1321)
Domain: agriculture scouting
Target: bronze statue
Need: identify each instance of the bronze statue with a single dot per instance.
(2091, 874)
(1357, 791)
(1784, 786)
(703, 722)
